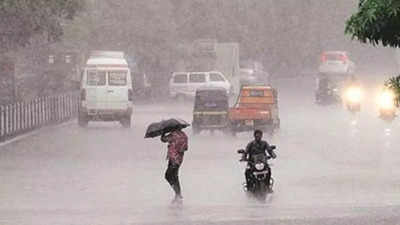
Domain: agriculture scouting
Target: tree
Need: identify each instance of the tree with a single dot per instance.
(378, 22)
(394, 84)
(22, 20)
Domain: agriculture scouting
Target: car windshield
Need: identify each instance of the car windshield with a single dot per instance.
(213, 100)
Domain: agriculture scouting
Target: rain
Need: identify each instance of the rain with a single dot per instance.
(91, 89)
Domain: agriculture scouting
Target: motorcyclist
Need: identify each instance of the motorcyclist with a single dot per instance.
(323, 85)
(257, 146)
(327, 89)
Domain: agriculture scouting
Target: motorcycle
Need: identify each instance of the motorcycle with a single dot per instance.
(259, 168)
(387, 114)
(352, 99)
(328, 96)
(387, 106)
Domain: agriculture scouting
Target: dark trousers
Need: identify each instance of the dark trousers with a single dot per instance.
(171, 175)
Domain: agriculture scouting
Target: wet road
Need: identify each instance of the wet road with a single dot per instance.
(333, 168)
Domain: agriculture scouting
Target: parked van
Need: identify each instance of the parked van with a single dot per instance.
(106, 89)
(184, 84)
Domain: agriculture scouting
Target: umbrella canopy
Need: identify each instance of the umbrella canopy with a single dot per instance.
(165, 126)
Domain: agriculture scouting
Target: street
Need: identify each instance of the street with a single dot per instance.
(332, 168)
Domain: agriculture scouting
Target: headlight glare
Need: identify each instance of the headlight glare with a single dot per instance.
(259, 166)
(353, 94)
(386, 100)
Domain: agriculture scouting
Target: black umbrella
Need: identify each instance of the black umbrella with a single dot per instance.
(165, 126)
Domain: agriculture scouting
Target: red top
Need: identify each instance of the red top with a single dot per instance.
(177, 145)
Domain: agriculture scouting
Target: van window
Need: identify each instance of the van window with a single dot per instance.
(96, 78)
(117, 78)
(197, 78)
(180, 78)
(216, 77)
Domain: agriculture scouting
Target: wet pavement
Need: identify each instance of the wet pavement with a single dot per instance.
(332, 168)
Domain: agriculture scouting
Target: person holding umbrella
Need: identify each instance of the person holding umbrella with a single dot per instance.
(171, 133)
(177, 144)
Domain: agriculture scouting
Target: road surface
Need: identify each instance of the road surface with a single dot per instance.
(332, 168)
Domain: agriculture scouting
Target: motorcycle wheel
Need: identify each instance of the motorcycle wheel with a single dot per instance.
(261, 191)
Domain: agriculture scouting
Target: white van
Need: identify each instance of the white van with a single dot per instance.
(184, 84)
(106, 89)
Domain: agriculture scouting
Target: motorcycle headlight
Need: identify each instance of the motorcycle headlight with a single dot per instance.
(259, 166)
(353, 94)
(386, 100)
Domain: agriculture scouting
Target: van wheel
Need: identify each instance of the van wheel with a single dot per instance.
(83, 121)
(126, 122)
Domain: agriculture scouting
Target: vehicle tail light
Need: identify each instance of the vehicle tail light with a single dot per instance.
(83, 94)
(323, 57)
(343, 58)
(130, 95)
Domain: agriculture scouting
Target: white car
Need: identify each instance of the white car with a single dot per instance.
(184, 84)
(106, 89)
(336, 62)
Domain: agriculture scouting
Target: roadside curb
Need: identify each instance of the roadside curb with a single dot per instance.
(32, 133)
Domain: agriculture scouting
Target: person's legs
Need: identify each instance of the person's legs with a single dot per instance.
(171, 175)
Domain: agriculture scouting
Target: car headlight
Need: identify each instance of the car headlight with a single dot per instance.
(353, 94)
(386, 100)
(259, 166)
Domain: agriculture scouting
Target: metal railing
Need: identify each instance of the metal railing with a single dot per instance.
(21, 117)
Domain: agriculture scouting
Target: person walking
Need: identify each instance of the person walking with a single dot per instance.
(177, 145)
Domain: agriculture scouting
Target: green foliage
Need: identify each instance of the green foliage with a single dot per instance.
(377, 21)
(394, 84)
(21, 20)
